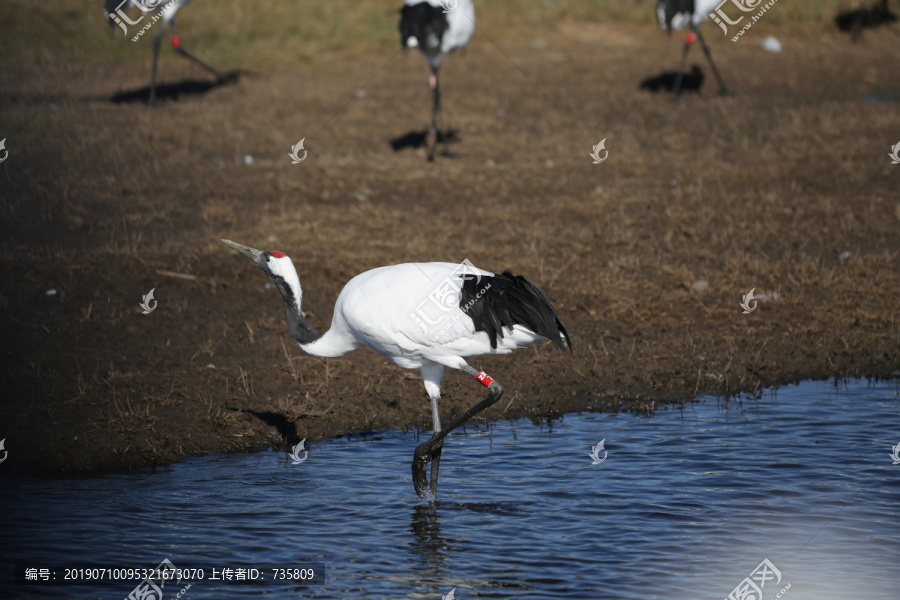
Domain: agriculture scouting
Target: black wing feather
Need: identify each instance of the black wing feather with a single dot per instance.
(506, 300)
(422, 21)
(674, 7)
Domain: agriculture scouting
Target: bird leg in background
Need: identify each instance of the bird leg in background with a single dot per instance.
(859, 21)
(156, 41)
(176, 44)
(688, 40)
(432, 136)
(722, 89)
(424, 451)
(441, 126)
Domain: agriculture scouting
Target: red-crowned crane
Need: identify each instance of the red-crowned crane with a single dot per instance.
(436, 27)
(163, 10)
(678, 14)
(425, 316)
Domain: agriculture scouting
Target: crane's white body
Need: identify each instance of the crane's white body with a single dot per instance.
(390, 310)
(460, 27)
(380, 309)
(114, 9)
(168, 12)
(683, 19)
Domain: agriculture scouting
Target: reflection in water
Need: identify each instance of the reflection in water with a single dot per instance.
(687, 504)
(427, 541)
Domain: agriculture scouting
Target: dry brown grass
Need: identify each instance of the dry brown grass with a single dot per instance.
(103, 202)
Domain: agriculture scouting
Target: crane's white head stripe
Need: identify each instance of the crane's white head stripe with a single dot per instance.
(280, 265)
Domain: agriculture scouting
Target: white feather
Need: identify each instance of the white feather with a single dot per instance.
(460, 27)
(681, 20)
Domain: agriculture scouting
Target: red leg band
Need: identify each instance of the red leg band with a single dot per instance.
(176, 42)
(484, 378)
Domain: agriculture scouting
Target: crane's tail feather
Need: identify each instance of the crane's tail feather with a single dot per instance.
(506, 300)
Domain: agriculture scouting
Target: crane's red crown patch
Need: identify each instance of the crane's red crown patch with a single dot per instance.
(277, 254)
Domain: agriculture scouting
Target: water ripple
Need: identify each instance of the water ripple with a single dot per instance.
(687, 504)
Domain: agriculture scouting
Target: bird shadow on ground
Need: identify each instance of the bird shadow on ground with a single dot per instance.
(691, 81)
(173, 91)
(854, 21)
(285, 427)
(416, 139)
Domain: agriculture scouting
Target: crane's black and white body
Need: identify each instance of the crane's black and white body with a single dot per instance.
(681, 14)
(393, 310)
(436, 31)
(166, 11)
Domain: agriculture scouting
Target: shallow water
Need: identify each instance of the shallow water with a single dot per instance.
(687, 504)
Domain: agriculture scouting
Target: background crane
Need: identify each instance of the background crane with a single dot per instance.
(165, 11)
(436, 31)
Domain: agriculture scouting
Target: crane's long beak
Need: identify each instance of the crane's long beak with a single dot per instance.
(253, 253)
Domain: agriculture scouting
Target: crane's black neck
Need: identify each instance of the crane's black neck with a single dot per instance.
(298, 326)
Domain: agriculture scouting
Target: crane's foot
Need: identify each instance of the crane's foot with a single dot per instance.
(420, 471)
(431, 450)
(425, 453)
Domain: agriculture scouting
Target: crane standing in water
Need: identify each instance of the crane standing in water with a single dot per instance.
(471, 313)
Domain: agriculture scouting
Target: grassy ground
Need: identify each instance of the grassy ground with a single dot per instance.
(785, 187)
(262, 33)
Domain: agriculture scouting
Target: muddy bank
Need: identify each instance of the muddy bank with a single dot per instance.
(785, 187)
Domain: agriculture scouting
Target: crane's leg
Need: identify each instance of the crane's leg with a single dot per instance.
(425, 450)
(441, 126)
(722, 89)
(856, 29)
(432, 136)
(156, 42)
(176, 44)
(431, 377)
(676, 87)
(436, 451)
